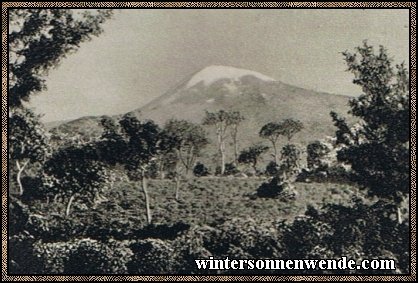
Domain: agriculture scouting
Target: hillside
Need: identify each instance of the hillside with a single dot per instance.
(259, 98)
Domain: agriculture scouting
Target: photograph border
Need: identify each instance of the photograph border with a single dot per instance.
(411, 6)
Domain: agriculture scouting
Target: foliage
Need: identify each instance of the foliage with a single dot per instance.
(22, 260)
(272, 169)
(187, 139)
(270, 189)
(151, 256)
(39, 39)
(28, 141)
(289, 127)
(377, 148)
(200, 170)
(252, 154)
(230, 169)
(142, 143)
(273, 130)
(222, 120)
(316, 152)
(290, 156)
(78, 171)
(93, 257)
(27, 137)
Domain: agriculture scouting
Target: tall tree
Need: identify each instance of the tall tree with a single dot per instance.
(186, 139)
(28, 141)
(39, 39)
(78, 173)
(235, 119)
(289, 127)
(142, 148)
(272, 131)
(222, 121)
(377, 147)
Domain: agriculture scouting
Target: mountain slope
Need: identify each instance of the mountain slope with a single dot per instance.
(259, 98)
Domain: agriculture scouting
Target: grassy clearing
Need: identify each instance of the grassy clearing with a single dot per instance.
(212, 200)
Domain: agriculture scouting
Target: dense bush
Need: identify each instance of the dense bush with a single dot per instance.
(200, 170)
(191, 245)
(272, 169)
(151, 256)
(22, 259)
(230, 169)
(270, 189)
(357, 231)
(93, 257)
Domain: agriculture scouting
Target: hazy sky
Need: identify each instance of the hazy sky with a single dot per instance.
(144, 53)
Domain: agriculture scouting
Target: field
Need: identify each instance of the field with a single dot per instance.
(209, 201)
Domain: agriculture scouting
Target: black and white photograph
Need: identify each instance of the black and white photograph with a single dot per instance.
(198, 141)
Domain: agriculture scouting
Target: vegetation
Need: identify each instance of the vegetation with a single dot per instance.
(104, 229)
(377, 148)
(39, 39)
(251, 155)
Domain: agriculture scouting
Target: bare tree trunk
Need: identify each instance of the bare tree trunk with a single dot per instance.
(234, 140)
(20, 169)
(222, 150)
(399, 214)
(177, 179)
(67, 210)
(255, 167)
(221, 146)
(161, 170)
(275, 154)
(145, 191)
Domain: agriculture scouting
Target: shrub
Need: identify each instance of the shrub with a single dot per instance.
(258, 240)
(151, 256)
(22, 258)
(200, 170)
(230, 169)
(52, 256)
(272, 169)
(270, 189)
(190, 245)
(93, 257)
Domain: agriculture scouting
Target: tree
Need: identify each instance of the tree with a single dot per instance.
(289, 127)
(143, 145)
(39, 39)
(272, 131)
(77, 171)
(377, 147)
(251, 155)
(290, 156)
(317, 151)
(221, 120)
(235, 119)
(186, 139)
(28, 142)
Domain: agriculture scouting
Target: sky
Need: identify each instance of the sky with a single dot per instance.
(144, 53)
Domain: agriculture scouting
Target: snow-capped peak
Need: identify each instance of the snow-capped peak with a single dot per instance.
(214, 73)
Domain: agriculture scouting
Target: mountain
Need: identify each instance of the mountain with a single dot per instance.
(261, 99)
